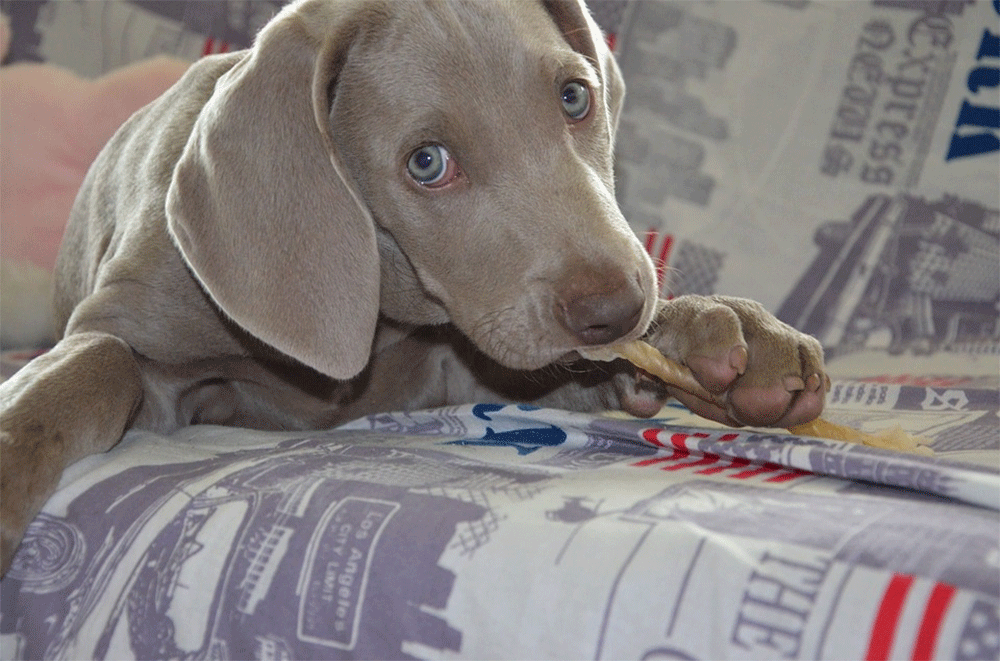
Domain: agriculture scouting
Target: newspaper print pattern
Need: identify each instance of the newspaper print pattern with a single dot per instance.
(419, 535)
(382, 540)
(881, 157)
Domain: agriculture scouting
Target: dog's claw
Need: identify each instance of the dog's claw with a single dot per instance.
(738, 359)
(793, 383)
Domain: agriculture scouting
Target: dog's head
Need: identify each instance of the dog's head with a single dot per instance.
(433, 162)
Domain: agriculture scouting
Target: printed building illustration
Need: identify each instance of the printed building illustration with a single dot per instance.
(665, 126)
(925, 273)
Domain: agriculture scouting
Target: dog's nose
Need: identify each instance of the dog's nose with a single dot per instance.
(604, 317)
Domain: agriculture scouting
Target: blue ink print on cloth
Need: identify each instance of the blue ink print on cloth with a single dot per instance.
(525, 441)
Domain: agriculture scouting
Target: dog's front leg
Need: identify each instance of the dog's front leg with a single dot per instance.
(74, 401)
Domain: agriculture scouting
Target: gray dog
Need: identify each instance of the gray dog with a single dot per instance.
(381, 205)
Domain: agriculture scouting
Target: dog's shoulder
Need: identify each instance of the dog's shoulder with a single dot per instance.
(118, 270)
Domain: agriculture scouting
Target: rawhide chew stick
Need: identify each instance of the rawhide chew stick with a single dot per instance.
(890, 439)
(646, 357)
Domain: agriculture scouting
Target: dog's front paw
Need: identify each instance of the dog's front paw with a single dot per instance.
(759, 370)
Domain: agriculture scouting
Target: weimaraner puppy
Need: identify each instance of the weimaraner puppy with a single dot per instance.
(381, 205)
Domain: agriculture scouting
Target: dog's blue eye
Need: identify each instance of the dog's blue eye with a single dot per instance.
(429, 164)
(576, 100)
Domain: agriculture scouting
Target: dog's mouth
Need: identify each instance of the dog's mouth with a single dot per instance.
(539, 348)
(551, 320)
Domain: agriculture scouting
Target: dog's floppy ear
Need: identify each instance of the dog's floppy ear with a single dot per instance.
(585, 37)
(262, 209)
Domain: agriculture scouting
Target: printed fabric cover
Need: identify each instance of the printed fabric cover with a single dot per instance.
(837, 161)
(492, 531)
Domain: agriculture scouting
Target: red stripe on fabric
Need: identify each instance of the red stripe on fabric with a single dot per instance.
(714, 469)
(930, 625)
(651, 235)
(661, 262)
(766, 467)
(209, 45)
(735, 462)
(679, 441)
(652, 436)
(655, 460)
(887, 618)
(668, 243)
(707, 460)
(788, 476)
(678, 454)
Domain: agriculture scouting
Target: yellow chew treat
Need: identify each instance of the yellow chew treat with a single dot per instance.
(890, 439)
(646, 357)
